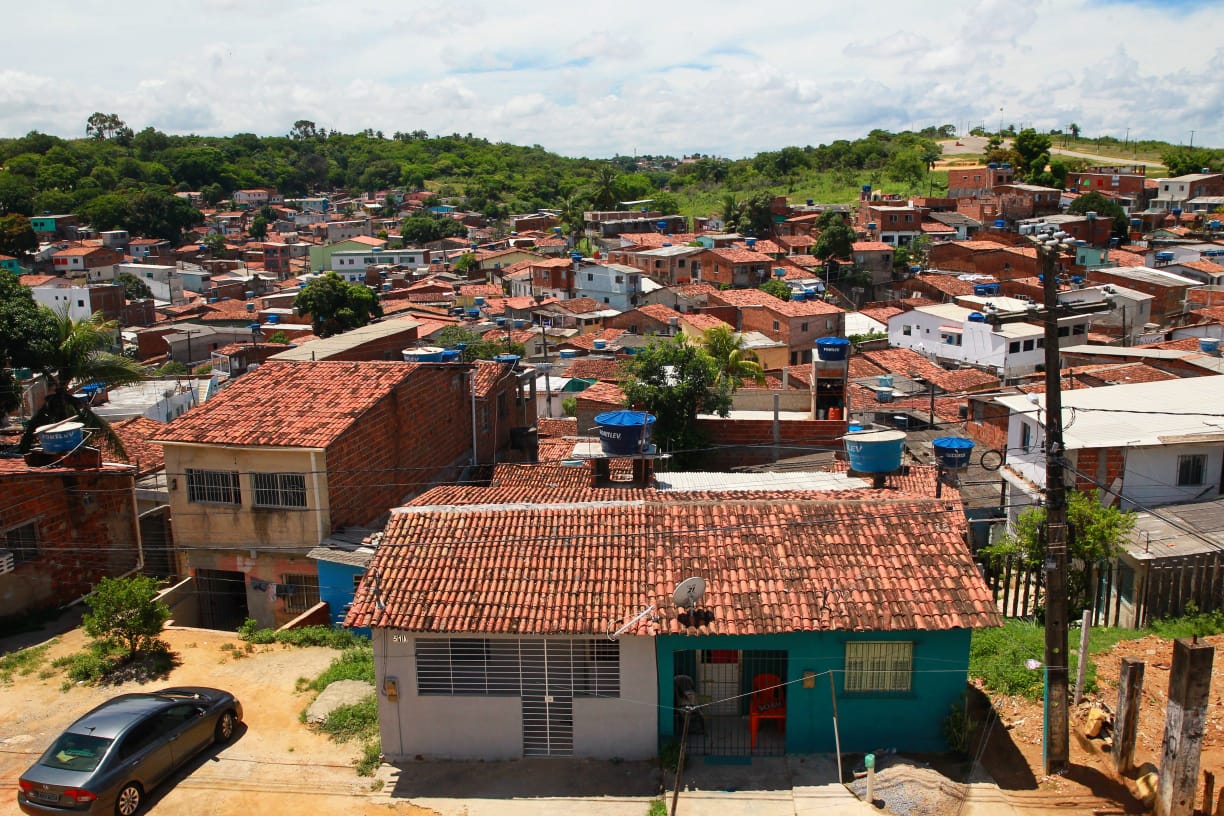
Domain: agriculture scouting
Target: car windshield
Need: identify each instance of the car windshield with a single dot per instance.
(76, 752)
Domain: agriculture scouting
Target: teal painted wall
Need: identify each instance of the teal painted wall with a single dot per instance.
(908, 722)
(336, 587)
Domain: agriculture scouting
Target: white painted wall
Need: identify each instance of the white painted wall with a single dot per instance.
(478, 727)
(1150, 475)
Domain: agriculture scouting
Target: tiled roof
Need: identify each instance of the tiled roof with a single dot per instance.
(935, 226)
(873, 246)
(860, 367)
(595, 368)
(736, 255)
(906, 362)
(695, 289)
(135, 434)
(1203, 266)
(880, 313)
(557, 427)
(488, 374)
(790, 308)
(575, 306)
(948, 284)
(289, 404)
(659, 312)
(481, 290)
(772, 562)
(39, 280)
(980, 246)
(587, 341)
(702, 321)
(604, 392)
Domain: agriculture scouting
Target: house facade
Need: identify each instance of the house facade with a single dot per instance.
(295, 451)
(556, 634)
(616, 286)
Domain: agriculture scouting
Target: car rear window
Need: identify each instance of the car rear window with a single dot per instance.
(76, 752)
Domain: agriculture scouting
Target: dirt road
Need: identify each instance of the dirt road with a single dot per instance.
(969, 145)
(275, 765)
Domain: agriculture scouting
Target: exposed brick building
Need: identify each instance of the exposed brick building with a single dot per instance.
(798, 324)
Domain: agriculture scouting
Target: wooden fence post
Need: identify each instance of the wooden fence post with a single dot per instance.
(1126, 720)
(1081, 670)
(1189, 690)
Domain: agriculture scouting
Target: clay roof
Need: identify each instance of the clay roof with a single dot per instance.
(481, 290)
(604, 392)
(773, 563)
(790, 308)
(702, 321)
(659, 312)
(694, 289)
(582, 305)
(881, 313)
(737, 255)
(873, 246)
(135, 434)
(557, 427)
(587, 341)
(596, 368)
(289, 404)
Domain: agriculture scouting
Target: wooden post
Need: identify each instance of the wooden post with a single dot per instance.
(1189, 689)
(1126, 720)
(1081, 671)
(688, 713)
(1208, 792)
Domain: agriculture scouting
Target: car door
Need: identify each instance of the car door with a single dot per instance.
(143, 755)
(186, 729)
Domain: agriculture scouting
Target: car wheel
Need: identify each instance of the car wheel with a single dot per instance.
(129, 800)
(225, 727)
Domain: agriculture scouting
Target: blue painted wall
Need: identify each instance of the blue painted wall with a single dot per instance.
(912, 721)
(336, 587)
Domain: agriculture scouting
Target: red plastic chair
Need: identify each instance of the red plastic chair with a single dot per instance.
(768, 703)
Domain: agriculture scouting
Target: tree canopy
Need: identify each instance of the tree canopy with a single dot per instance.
(336, 306)
(1102, 206)
(676, 380)
(425, 229)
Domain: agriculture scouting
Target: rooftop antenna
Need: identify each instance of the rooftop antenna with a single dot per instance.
(648, 611)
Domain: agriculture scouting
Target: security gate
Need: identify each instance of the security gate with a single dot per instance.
(547, 698)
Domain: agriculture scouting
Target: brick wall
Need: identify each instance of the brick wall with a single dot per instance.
(86, 527)
(1099, 466)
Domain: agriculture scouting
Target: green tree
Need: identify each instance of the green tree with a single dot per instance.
(259, 228)
(27, 330)
(79, 355)
(1184, 160)
(17, 237)
(1075, 130)
(133, 287)
(906, 167)
(124, 613)
(337, 306)
(605, 193)
(735, 363)
(214, 242)
(102, 126)
(675, 381)
(1097, 535)
(279, 337)
(425, 229)
(835, 242)
(1033, 150)
(777, 288)
(830, 218)
(1103, 207)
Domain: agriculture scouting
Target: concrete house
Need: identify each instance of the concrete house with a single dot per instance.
(506, 628)
(297, 450)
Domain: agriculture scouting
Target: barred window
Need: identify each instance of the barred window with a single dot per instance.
(496, 667)
(280, 489)
(22, 542)
(301, 591)
(213, 486)
(879, 665)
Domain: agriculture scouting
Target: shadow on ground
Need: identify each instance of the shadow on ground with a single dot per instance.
(520, 779)
(209, 754)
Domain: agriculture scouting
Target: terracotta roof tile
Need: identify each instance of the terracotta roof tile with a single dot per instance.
(873, 246)
(557, 427)
(587, 341)
(135, 434)
(659, 312)
(604, 392)
(703, 322)
(289, 404)
(773, 563)
(582, 305)
(596, 368)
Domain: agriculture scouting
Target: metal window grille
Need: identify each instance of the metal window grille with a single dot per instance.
(1191, 469)
(485, 667)
(301, 592)
(22, 543)
(879, 666)
(213, 486)
(280, 489)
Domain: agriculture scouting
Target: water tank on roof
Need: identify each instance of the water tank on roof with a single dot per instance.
(750, 242)
(568, 354)
(993, 165)
(479, 301)
(884, 381)
(1135, 222)
(473, 313)
(512, 359)
(1165, 256)
(273, 318)
(624, 433)
(811, 201)
(980, 289)
(1000, 224)
(1176, 211)
(875, 451)
(1005, 166)
(1209, 345)
(798, 295)
(61, 437)
(1213, 224)
(451, 355)
(866, 188)
(424, 354)
(779, 272)
(952, 452)
(662, 225)
(500, 321)
(871, 225)
(599, 345)
(832, 348)
(977, 317)
(1091, 215)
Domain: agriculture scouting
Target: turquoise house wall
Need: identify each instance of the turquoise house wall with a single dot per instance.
(912, 721)
(336, 587)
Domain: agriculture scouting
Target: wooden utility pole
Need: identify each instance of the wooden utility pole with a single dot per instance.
(1126, 719)
(1056, 749)
(1185, 720)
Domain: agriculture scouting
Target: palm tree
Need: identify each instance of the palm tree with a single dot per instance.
(731, 210)
(605, 193)
(734, 361)
(79, 357)
(572, 218)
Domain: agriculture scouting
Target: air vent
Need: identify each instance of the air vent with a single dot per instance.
(7, 562)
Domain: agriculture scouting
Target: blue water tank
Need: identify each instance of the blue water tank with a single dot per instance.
(981, 289)
(1209, 345)
(1165, 256)
(512, 359)
(500, 321)
(624, 433)
(952, 452)
(779, 272)
(1000, 224)
(1135, 222)
(273, 318)
(568, 354)
(451, 355)
(866, 188)
(662, 225)
(854, 427)
(993, 165)
(811, 201)
(798, 296)
(1077, 279)
(479, 301)
(519, 323)
(60, 437)
(884, 380)
(832, 348)
(473, 313)
(875, 451)
(977, 317)
(425, 354)
(1213, 224)
(599, 345)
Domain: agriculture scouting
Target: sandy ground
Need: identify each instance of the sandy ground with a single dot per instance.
(969, 145)
(274, 765)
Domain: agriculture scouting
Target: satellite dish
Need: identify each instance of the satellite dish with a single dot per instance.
(689, 592)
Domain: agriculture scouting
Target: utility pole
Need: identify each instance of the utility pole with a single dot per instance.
(1192, 138)
(1056, 750)
(547, 367)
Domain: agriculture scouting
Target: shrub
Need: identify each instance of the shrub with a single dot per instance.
(356, 721)
(331, 637)
(125, 613)
(356, 663)
(371, 758)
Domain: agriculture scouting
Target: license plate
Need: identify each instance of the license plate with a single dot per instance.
(44, 796)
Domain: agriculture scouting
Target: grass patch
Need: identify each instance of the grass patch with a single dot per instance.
(1200, 624)
(356, 663)
(657, 808)
(104, 665)
(24, 661)
(331, 637)
(371, 758)
(350, 722)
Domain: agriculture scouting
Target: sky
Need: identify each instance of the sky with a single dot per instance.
(588, 79)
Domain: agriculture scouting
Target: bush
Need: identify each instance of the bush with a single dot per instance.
(331, 637)
(356, 663)
(371, 758)
(1192, 624)
(107, 663)
(356, 721)
(125, 613)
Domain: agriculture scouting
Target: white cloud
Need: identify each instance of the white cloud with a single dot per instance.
(715, 79)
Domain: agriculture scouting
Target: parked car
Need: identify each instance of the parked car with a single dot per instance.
(111, 758)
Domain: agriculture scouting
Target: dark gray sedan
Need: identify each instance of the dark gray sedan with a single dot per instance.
(108, 760)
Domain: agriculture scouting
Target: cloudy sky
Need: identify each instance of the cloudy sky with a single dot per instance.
(595, 79)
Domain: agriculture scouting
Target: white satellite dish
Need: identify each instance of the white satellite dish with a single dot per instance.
(689, 592)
